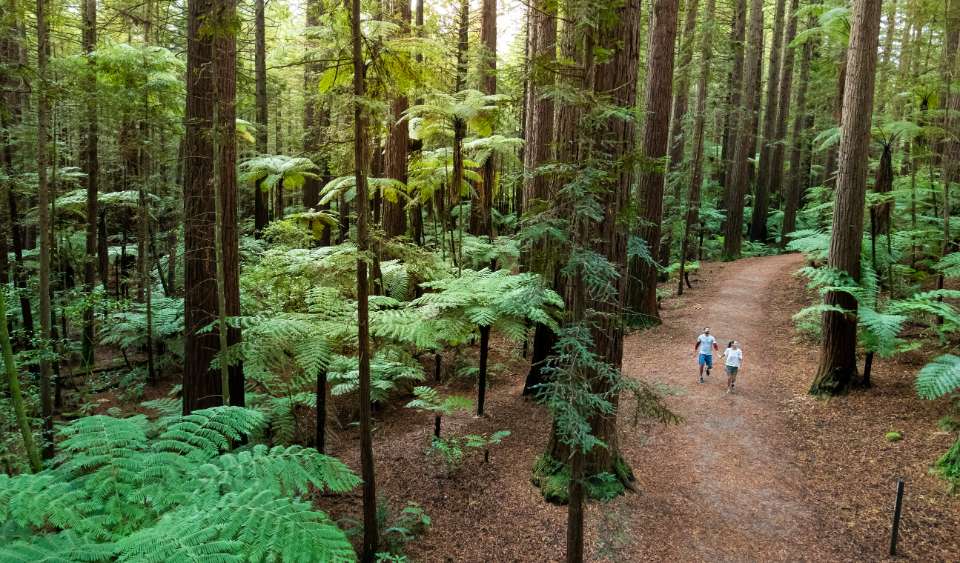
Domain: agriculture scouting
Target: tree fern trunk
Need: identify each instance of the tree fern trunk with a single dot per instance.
(482, 376)
(371, 541)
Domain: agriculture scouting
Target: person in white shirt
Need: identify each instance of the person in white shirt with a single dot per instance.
(733, 356)
(704, 347)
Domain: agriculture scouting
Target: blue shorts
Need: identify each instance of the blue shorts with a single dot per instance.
(706, 360)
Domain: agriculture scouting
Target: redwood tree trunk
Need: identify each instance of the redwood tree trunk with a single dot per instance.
(758, 226)
(201, 386)
(43, 220)
(91, 167)
(739, 176)
(699, 128)
(838, 365)
(775, 172)
(799, 144)
(738, 31)
(481, 209)
(642, 288)
(394, 212)
(260, 204)
(614, 79)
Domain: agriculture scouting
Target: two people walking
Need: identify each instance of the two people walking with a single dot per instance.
(706, 345)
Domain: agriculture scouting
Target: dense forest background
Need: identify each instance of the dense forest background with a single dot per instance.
(237, 238)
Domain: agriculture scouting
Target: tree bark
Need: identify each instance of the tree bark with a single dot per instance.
(778, 151)
(758, 226)
(799, 144)
(699, 128)
(642, 287)
(91, 167)
(838, 367)
(481, 209)
(43, 220)
(739, 176)
(738, 30)
(539, 132)
(394, 212)
(614, 79)
(370, 531)
(260, 214)
(201, 387)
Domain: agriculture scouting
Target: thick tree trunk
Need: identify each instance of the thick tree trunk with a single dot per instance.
(738, 31)
(838, 367)
(394, 212)
(539, 132)
(201, 387)
(91, 167)
(481, 209)
(615, 79)
(371, 540)
(758, 226)
(799, 145)
(642, 287)
(699, 129)
(951, 111)
(677, 138)
(739, 176)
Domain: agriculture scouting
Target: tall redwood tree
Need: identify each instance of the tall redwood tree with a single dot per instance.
(838, 352)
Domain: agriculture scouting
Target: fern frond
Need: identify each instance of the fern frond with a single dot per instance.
(939, 378)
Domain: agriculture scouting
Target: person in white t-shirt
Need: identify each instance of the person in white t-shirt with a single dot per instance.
(704, 347)
(733, 357)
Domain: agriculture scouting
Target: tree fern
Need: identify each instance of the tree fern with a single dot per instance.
(184, 496)
(939, 378)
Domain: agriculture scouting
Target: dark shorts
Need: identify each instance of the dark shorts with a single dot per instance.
(732, 370)
(706, 360)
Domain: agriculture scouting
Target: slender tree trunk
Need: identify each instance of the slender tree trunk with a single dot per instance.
(951, 107)
(758, 227)
(91, 167)
(260, 214)
(575, 510)
(885, 70)
(642, 288)
(16, 397)
(43, 213)
(799, 143)
(370, 532)
(699, 128)
(482, 377)
(838, 367)
(739, 175)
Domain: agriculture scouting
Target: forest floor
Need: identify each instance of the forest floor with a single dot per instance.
(766, 474)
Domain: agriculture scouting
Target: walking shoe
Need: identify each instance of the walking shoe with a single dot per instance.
(701, 380)
(708, 371)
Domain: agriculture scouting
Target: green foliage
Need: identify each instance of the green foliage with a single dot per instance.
(188, 494)
(939, 378)
(427, 399)
(390, 371)
(273, 170)
(452, 451)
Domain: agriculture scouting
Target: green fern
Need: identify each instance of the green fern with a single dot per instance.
(939, 378)
(184, 496)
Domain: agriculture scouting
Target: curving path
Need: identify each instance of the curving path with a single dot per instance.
(723, 485)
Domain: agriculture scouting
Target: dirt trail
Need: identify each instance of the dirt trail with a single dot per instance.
(723, 485)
